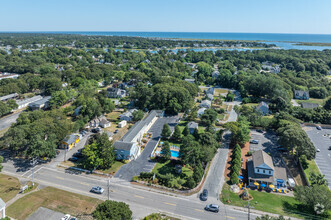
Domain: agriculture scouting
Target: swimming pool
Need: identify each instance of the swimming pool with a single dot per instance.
(174, 153)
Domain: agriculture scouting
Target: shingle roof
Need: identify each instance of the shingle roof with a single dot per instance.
(70, 139)
(260, 157)
(121, 145)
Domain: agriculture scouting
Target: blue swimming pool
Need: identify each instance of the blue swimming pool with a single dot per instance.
(174, 153)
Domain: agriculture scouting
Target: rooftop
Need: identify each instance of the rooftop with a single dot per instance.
(309, 105)
(41, 101)
(121, 145)
(192, 124)
(260, 157)
(10, 96)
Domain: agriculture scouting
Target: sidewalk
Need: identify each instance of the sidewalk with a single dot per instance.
(20, 195)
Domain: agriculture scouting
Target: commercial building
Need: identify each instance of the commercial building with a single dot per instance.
(8, 97)
(70, 141)
(24, 103)
(40, 104)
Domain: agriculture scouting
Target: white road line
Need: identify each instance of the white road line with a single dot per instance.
(26, 172)
(35, 172)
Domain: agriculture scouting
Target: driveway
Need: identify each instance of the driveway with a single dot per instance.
(143, 162)
(321, 140)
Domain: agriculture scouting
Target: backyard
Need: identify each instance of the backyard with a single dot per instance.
(55, 199)
(9, 187)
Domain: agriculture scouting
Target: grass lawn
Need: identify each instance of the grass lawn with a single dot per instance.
(312, 100)
(55, 199)
(113, 116)
(219, 91)
(252, 104)
(9, 187)
(263, 201)
(114, 167)
(312, 167)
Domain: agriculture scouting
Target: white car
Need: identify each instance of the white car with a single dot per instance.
(318, 150)
(66, 217)
(97, 189)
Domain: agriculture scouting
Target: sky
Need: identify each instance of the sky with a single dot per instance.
(244, 16)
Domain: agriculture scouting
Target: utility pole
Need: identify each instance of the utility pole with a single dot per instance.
(108, 187)
(34, 161)
(249, 210)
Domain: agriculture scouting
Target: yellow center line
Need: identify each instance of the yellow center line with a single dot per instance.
(198, 210)
(57, 177)
(85, 184)
(139, 197)
(230, 217)
(170, 203)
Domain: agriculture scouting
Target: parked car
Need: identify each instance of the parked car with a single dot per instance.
(318, 127)
(281, 149)
(116, 131)
(204, 195)
(66, 217)
(78, 154)
(97, 189)
(73, 159)
(73, 218)
(212, 208)
(329, 147)
(96, 130)
(318, 150)
(259, 130)
(254, 141)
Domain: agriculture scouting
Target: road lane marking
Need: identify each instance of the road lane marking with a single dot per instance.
(84, 184)
(229, 217)
(35, 171)
(61, 178)
(139, 197)
(198, 210)
(170, 203)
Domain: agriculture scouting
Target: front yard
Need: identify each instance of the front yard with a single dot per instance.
(9, 187)
(55, 199)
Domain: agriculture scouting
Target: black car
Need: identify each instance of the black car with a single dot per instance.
(259, 130)
(78, 154)
(212, 208)
(204, 195)
(73, 159)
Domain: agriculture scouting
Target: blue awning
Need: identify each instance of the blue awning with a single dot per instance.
(280, 181)
(240, 177)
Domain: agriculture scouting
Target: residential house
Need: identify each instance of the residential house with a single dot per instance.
(263, 108)
(261, 170)
(24, 103)
(116, 102)
(299, 94)
(77, 110)
(205, 104)
(40, 104)
(122, 124)
(201, 111)
(110, 135)
(2, 209)
(210, 90)
(309, 105)
(190, 80)
(215, 74)
(116, 93)
(127, 147)
(210, 97)
(192, 126)
(8, 97)
(70, 141)
(127, 116)
(104, 123)
(8, 76)
(94, 123)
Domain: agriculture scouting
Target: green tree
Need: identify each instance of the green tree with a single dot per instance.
(196, 134)
(166, 132)
(317, 179)
(12, 104)
(327, 104)
(112, 210)
(209, 117)
(186, 131)
(1, 160)
(166, 153)
(137, 115)
(234, 178)
(177, 134)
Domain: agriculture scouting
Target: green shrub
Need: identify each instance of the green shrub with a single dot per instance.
(234, 178)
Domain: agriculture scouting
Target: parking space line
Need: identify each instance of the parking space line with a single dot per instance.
(169, 203)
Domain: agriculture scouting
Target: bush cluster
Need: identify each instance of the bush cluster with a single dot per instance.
(235, 164)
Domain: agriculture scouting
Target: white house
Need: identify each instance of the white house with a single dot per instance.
(104, 123)
(2, 209)
(201, 111)
(122, 124)
(24, 103)
(205, 104)
(263, 108)
(127, 116)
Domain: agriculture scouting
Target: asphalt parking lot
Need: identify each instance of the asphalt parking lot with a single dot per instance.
(267, 142)
(321, 140)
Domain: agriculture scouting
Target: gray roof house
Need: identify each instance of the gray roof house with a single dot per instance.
(192, 126)
(2, 209)
(299, 94)
(201, 111)
(262, 170)
(205, 104)
(210, 97)
(263, 108)
(40, 104)
(309, 105)
(127, 147)
(7, 97)
(24, 103)
(116, 93)
(210, 90)
(127, 116)
(215, 74)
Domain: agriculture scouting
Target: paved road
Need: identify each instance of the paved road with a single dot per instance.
(7, 121)
(321, 140)
(141, 201)
(143, 162)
